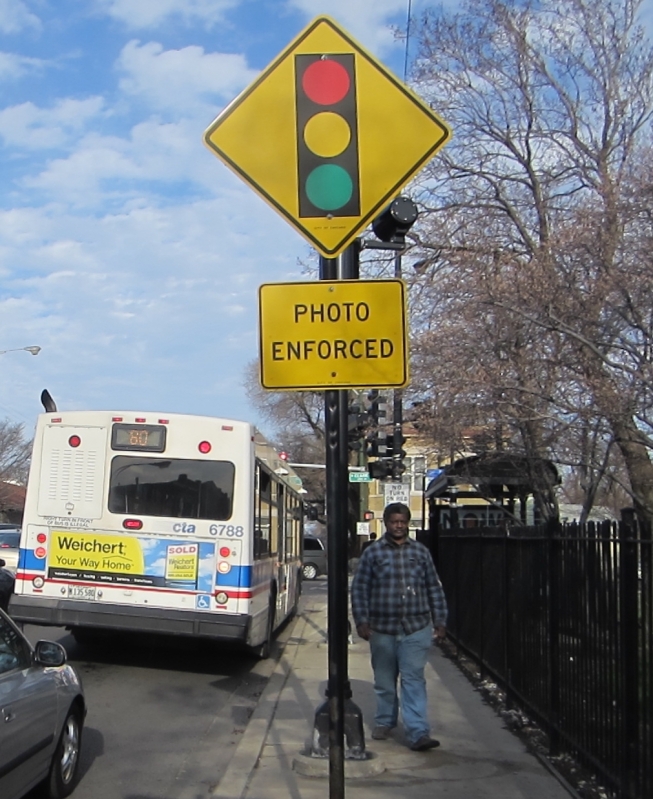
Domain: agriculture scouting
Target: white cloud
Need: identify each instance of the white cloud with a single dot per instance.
(180, 79)
(366, 20)
(136, 308)
(30, 127)
(114, 169)
(13, 65)
(78, 179)
(15, 16)
(138, 14)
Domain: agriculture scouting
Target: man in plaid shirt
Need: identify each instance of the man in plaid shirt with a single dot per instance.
(396, 597)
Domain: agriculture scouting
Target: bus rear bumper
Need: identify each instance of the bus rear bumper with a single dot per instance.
(73, 613)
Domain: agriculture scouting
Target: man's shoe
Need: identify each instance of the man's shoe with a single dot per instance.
(424, 743)
(381, 733)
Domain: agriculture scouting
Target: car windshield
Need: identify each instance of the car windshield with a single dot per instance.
(9, 540)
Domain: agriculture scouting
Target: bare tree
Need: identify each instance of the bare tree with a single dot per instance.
(15, 453)
(297, 421)
(536, 270)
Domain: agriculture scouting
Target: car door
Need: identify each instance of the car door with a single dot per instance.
(28, 708)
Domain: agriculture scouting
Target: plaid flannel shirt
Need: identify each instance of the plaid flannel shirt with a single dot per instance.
(396, 588)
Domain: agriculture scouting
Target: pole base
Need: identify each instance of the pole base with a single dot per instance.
(354, 733)
(309, 766)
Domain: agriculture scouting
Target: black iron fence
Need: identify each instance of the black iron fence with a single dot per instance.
(562, 619)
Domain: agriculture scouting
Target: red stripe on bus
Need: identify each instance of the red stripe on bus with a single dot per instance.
(245, 593)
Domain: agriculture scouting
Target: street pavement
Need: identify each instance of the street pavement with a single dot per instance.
(478, 758)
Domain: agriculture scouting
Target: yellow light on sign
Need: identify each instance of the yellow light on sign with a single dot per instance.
(325, 335)
(327, 136)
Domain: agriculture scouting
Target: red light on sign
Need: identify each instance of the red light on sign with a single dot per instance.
(326, 82)
(74, 441)
(283, 456)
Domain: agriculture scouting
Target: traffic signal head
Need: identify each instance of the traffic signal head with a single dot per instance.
(378, 407)
(396, 220)
(327, 135)
(356, 425)
(379, 470)
(395, 450)
(377, 445)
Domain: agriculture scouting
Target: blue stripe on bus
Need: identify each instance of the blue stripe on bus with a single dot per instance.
(238, 577)
(28, 560)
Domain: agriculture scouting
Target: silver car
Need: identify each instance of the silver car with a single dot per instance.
(9, 547)
(42, 710)
(314, 558)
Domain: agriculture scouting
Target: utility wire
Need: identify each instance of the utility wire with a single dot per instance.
(408, 15)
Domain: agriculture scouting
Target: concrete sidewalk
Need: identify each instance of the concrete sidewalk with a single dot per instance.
(477, 758)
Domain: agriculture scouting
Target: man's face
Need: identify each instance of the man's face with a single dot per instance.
(397, 527)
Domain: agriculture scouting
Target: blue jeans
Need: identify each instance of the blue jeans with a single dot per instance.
(402, 656)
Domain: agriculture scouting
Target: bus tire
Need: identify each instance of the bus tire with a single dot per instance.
(298, 592)
(264, 650)
(84, 636)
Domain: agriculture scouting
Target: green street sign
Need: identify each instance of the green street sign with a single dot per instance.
(359, 477)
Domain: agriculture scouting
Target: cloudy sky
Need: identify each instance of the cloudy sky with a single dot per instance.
(128, 252)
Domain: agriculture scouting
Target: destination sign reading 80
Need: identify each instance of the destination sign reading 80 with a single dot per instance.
(347, 333)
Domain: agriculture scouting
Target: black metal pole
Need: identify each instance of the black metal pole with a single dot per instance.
(337, 489)
(397, 408)
(337, 590)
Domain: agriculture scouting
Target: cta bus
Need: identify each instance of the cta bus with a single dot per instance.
(158, 522)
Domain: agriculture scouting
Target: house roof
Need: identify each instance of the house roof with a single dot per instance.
(12, 496)
(492, 471)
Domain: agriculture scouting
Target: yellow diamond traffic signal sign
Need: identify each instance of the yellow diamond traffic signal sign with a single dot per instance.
(327, 135)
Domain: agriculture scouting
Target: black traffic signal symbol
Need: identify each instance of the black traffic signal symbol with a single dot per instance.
(327, 135)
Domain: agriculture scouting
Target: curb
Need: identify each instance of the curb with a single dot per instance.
(234, 782)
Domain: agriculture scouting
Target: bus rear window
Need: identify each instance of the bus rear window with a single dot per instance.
(183, 489)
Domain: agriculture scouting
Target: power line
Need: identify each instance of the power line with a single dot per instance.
(408, 15)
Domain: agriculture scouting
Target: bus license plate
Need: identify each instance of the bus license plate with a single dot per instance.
(81, 592)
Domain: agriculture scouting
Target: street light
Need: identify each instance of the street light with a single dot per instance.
(31, 350)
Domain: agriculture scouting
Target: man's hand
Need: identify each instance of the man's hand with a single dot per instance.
(440, 633)
(364, 631)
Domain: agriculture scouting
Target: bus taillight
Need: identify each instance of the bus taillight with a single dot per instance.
(204, 447)
(132, 524)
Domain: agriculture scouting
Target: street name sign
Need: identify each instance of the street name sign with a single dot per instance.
(359, 477)
(327, 136)
(330, 335)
